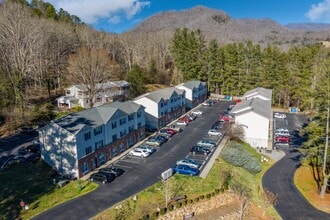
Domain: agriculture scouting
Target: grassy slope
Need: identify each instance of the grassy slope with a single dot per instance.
(32, 183)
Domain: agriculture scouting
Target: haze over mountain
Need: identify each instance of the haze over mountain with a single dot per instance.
(216, 24)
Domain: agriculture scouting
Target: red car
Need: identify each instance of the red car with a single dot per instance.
(282, 139)
(169, 130)
(226, 118)
(185, 119)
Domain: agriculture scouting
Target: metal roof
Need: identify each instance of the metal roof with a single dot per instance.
(267, 93)
(257, 105)
(164, 94)
(97, 116)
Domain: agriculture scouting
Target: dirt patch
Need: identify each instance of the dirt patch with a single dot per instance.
(308, 186)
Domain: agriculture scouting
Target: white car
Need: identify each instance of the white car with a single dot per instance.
(139, 153)
(214, 132)
(188, 162)
(206, 143)
(146, 148)
(197, 112)
(279, 115)
(181, 123)
(282, 130)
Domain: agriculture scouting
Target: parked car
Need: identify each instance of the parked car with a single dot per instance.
(279, 115)
(154, 142)
(192, 117)
(188, 162)
(185, 119)
(139, 153)
(161, 138)
(147, 148)
(110, 176)
(226, 118)
(175, 128)
(173, 131)
(282, 139)
(282, 133)
(114, 170)
(282, 130)
(181, 123)
(214, 132)
(186, 170)
(199, 150)
(166, 133)
(98, 177)
(196, 112)
(206, 143)
(208, 103)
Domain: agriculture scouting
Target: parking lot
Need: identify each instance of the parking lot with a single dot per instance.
(143, 172)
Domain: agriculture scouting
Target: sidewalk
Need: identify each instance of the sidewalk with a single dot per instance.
(210, 163)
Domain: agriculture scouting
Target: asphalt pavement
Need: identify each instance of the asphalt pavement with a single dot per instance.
(140, 172)
(279, 178)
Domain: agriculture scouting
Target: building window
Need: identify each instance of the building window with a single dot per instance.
(131, 117)
(161, 105)
(98, 144)
(138, 114)
(87, 136)
(114, 137)
(114, 151)
(162, 113)
(114, 124)
(85, 168)
(102, 158)
(68, 92)
(130, 128)
(130, 141)
(139, 125)
(121, 148)
(88, 150)
(122, 121)
(98, 99)
(123, 133)
(97, 130)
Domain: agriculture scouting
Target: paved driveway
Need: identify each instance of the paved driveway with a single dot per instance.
(279, 179)
(141, 172)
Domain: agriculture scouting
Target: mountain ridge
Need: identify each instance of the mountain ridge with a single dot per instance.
(217, 24)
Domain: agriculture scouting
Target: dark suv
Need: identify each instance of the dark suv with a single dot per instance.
(114, 170)
(102, 177)
(199, 150)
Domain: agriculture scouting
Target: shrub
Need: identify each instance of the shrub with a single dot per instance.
(155, 215)
(217, 191)
(170, 207)
(163, 211)
(190, 201)
(235, 154)
(196, 199)
(213, 194)
(201, 197)
(178, 205)
(208, 196)
(146, 217)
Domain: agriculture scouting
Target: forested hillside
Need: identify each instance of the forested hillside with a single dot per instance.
(43, 50)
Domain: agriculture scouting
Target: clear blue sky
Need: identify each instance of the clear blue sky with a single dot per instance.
(120, 15)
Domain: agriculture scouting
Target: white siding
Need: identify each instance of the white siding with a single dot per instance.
(256, 129)
(58, 149)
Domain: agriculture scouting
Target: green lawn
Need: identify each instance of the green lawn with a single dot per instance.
(33, 183)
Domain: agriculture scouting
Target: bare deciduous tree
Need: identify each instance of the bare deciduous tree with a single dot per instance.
(243, 194)
(269, 199)
(90, 67)
(20, 44)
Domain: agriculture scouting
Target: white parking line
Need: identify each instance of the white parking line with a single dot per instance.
(122, 166)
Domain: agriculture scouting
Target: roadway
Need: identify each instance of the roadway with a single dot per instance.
(140, 172)
(279, 179)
